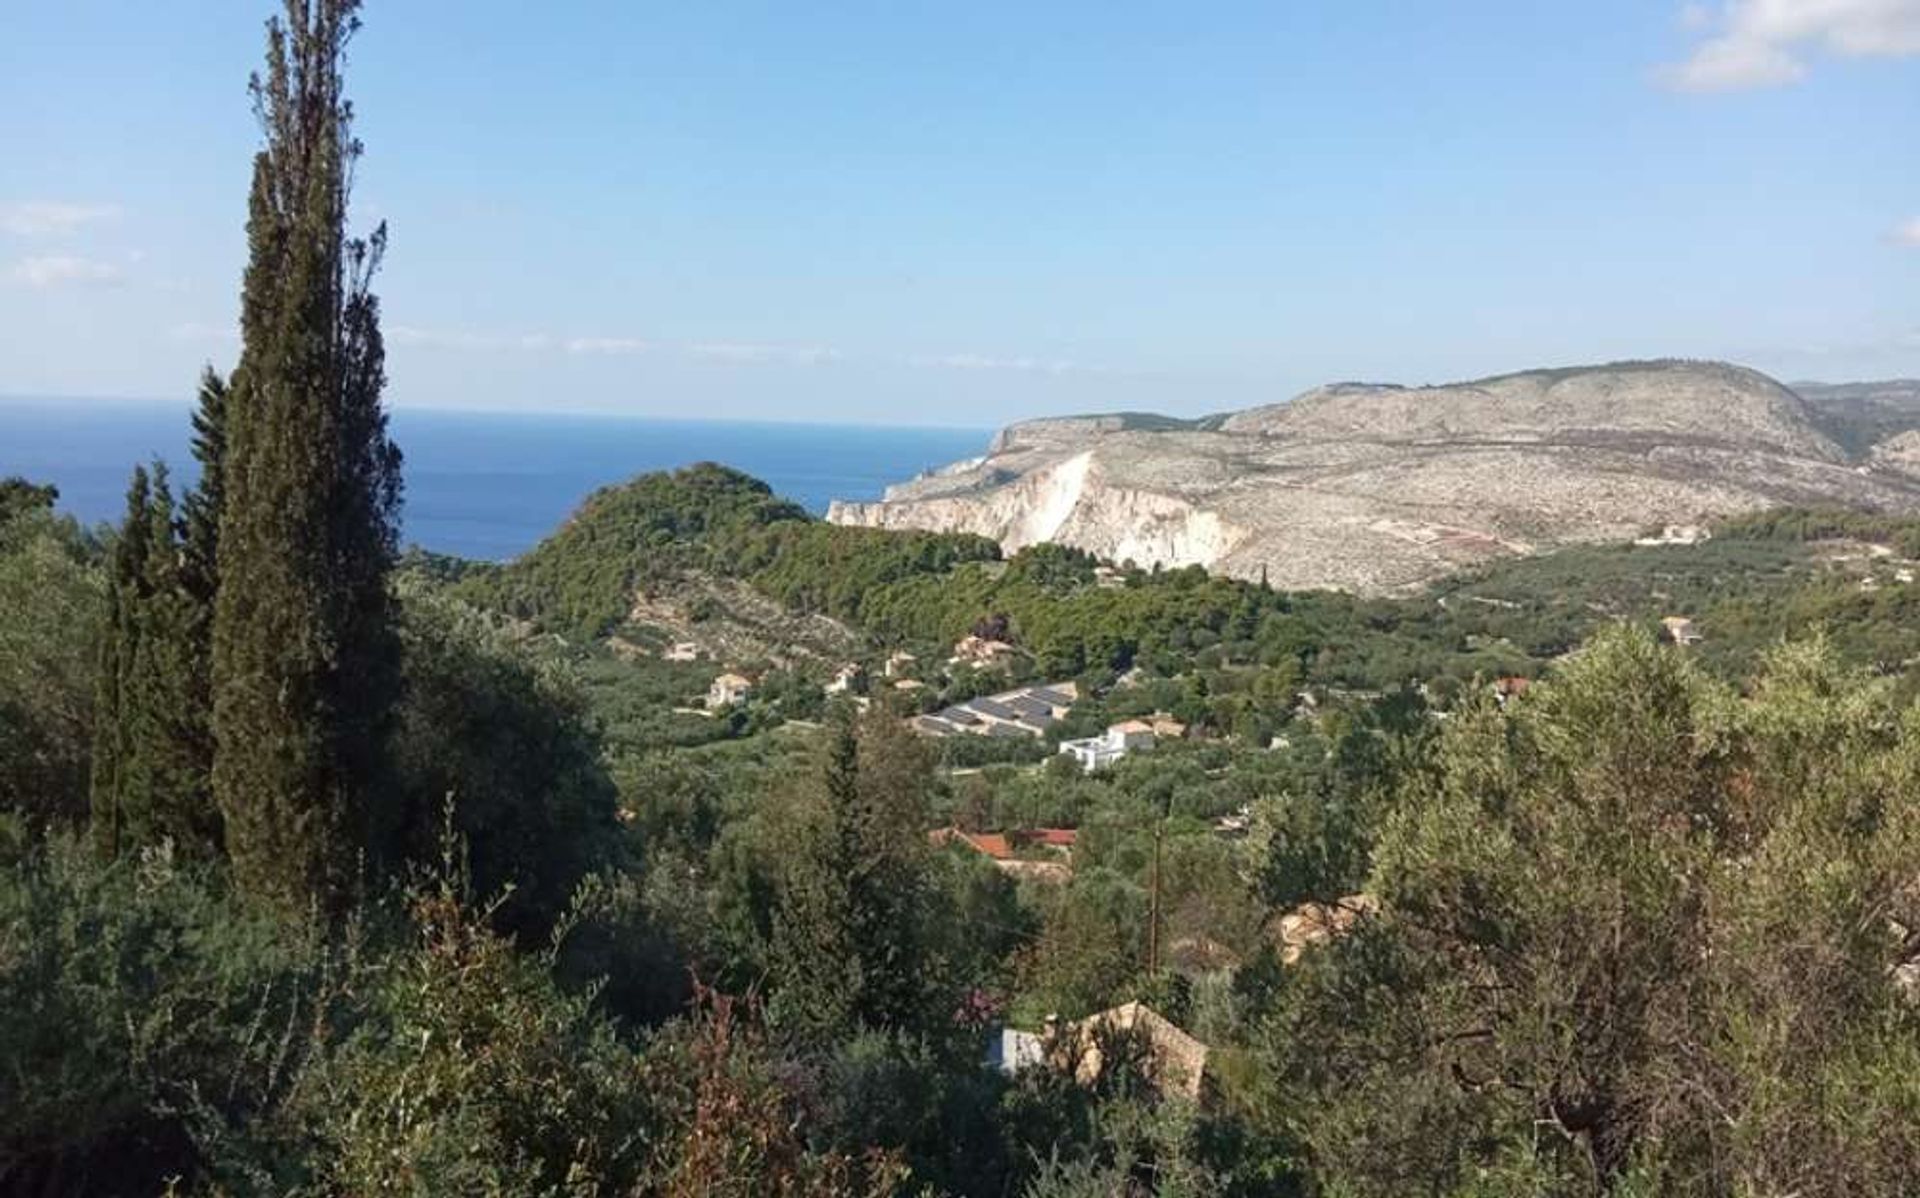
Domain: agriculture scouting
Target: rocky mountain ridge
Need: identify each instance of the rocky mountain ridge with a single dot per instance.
(1378, 488)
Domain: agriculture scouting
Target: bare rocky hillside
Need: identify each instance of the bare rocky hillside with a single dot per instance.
(1377, 488)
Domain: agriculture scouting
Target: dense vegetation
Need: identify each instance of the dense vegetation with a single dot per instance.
(478, 904)
(647, 533)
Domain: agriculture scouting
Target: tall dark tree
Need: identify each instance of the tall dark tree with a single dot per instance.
(150, 780)
(200, 509)
(851, 941)
(305, 656)
(199, 585)
(126, 575)
(162, 707)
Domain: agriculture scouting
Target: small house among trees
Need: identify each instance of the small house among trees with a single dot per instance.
(729, 690)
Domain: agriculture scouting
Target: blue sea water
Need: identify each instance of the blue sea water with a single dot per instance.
(486, 484)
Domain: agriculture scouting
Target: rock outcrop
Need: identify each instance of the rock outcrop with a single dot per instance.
(1378, 488)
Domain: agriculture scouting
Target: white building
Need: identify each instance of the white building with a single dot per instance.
(1680, 630)
(1010, 1051)
(1098, 752)
(899, 663)
(727, 691)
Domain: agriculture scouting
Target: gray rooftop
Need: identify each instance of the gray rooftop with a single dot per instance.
(1027, 705)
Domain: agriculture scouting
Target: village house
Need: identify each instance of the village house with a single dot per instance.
(1676, 534)
(1010, 1050)
(846, 678)
(999, 848)
(728, 690)
(682, 651)
(1505, 690)
(1098, 752)
(1317, 923)
(1165, 727)
(1169, 1059)
(899, 663)
(1236, 823)
(1060, 840)
(980, 651)
(1680, 630)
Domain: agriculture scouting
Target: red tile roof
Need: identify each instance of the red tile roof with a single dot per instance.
(1060, 838)
(993, 844)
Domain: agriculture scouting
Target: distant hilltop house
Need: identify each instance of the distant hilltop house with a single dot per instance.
(1676, 534)
(1025, 711)
(1680, 630)
(681, 651)
(1236, 823)
(1170, 1060)
(1165, 727)
(1098, 752)
(898, 663)
(980, 651)
(846, 678)
(729, 690)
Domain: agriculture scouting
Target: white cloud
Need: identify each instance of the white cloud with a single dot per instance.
(59, 270)
(606, 345)
(1762, 43)
(43, 218)
(413, 335)
(1907, 234)
(751, 352)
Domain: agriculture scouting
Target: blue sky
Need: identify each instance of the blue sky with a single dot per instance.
(964, 214)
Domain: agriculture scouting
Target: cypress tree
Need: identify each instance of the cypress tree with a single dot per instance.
(200, 513)
(150, 779)
(849, 937)
(126, 574)
(200, 510)
(305, 658)
(817, 971)
(167, 767)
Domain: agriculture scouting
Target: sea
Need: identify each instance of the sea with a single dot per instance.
(486, 485)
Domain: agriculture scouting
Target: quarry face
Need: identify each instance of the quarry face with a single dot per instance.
(1377, 489)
